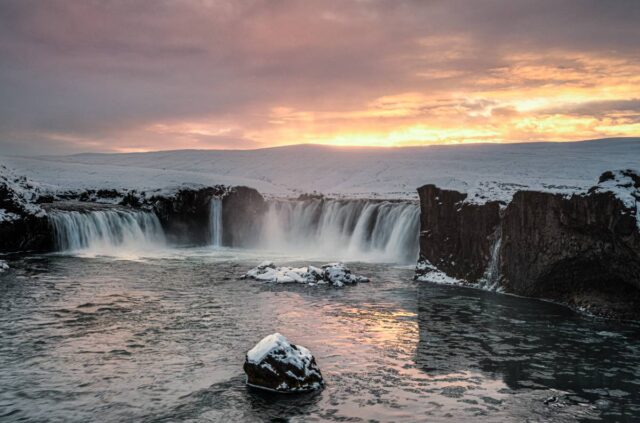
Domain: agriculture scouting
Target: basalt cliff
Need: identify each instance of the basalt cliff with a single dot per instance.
(184, 213)
(582, 250)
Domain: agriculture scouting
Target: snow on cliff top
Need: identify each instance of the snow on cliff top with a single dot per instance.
(17, 195)
(484, 171)
(624, 184)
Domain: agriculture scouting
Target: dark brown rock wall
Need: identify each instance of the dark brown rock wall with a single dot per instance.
(454, 236)
(28, 233)
(185, 215)
(243, 210)
(582, 250)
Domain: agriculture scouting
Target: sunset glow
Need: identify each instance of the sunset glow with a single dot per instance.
(240, 75)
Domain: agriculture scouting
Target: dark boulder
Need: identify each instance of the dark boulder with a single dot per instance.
(276, 365)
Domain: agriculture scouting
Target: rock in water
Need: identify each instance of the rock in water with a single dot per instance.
(335, 274)
(338, 274)
(275, 364)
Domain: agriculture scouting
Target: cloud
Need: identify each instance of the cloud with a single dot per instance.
(599, 108)
(92, 75)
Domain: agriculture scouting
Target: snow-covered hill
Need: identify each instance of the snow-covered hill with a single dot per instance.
(484, 171)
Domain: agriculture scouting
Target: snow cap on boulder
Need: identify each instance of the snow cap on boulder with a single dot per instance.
(277, 365)
(335, 274)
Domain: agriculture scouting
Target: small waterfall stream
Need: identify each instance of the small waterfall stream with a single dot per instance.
(106, 232)
(491, 278)
(215, 222)
(344, 229)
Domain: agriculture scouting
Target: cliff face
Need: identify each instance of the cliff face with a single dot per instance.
(29, 233)
(243, 210)
(185, 215)
(454, 236)
(23, 224)
(582, 250)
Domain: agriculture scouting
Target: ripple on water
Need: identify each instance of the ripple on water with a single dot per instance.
(164, 340)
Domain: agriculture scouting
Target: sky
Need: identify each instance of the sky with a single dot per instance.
(126, 76)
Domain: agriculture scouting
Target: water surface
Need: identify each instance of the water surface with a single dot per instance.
(163, 339)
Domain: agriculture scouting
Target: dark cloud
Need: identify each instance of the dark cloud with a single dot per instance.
(99, 70)
(598, 108)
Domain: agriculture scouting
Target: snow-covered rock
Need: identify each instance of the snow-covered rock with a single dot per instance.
(3, 266)
(336, 274)
(23, 223)
(18, 196)
(277, 365)
(427, 272)
(625, 185)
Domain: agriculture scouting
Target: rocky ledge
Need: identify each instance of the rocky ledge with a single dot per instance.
(183, 211)
(581, 250)
(23, 223)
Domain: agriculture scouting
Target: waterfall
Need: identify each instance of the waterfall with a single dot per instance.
(344, 229)
(215, 221)
(491, 278)
(113, 232)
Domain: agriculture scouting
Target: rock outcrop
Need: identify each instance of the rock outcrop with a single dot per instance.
(582, 250)
(23, 223)
(185, 214)
(456, 237)
(334, 274)
(277, 365)
(243, 209)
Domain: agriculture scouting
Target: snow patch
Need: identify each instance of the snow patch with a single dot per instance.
(274, 342)
(427, 272)
(353, 172)
(18, 196)
(336, 274)
(6, 216)
(625, 185)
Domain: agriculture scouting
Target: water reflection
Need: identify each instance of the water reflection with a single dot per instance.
(532, 346)
(164, 340)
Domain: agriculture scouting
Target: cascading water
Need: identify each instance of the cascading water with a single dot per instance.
(113, 232)
(344, 229)
(215, 222)
(491, 278)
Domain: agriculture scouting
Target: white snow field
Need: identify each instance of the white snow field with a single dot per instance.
(484, 171)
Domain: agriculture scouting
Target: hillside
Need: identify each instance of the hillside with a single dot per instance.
(484, 171)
